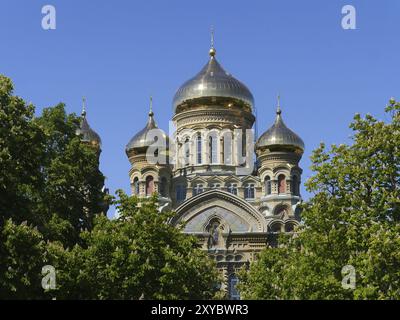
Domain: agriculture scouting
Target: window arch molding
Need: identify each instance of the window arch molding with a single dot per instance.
(290, 226)
(276, 226)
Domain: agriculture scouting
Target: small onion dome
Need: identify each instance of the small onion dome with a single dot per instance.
(213, 81)
(142, 139)
(280, 135)
(87, 133)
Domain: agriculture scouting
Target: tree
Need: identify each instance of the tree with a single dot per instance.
(21, 144)
(353, 219)
(47, 176)
(51, 207)
(23, 254)
(72, 193)
(50, 189)
(138, 255)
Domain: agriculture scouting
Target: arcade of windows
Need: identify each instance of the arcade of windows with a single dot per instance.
(150, 186)
(216, 150)
(249, 188)
(281, 185)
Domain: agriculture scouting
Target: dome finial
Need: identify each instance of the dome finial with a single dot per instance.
(278, 107)
(83, 107)
(212, 51)
(151, 113)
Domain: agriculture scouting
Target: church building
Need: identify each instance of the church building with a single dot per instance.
(234, 193)
(233, 213)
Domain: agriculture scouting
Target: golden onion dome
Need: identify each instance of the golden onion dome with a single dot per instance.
(279, 135)
(143, 139)
(213, 81)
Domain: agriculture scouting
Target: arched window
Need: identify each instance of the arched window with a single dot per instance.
(186, 150)
(136, 186)
(212, 149)
(267, 185)
(295, 185)
(232, 289)
(232, 188)
(197, 189)
(249, 191)
(289, 227)
(199, 151)
(149, 185)
(281, 184)
(164, 187)
(276, 227)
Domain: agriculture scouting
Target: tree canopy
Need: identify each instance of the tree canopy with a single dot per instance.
(52, 213)
(353, 219)
(137, 256)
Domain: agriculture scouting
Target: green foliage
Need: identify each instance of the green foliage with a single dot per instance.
(50, 213)
(49, 181)
(46, 174)
(72, 180)
(23, 254)
(352, 219)
(138, 255)
(21, 143)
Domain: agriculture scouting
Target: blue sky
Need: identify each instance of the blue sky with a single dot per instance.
(118, 53)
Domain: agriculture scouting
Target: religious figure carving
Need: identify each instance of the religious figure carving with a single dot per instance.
(215, 239)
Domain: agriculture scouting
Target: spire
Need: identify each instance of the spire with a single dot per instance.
(83, 107)
(212, 51)
(212, 36)
(151, 113)
(278, 107)
(151, 123)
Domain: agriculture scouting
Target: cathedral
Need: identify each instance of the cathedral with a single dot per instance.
(233, 192)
